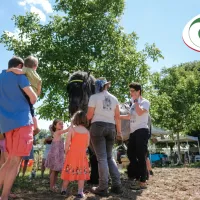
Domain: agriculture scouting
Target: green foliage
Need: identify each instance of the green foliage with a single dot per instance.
(195, 165)
(85, 36)
(175, 97)
(43, 134)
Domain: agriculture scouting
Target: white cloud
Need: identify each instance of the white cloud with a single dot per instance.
(22, 3)
(39, 12)
(14, 34)
(46, 5)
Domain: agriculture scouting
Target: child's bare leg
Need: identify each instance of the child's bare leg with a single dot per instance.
(25, 167)
(2, 158)
(50, 172)
(65, 185)
(52, 177)
(20, 169)
(36, 129)
(55, 179)
(80, 187)
(43, 167)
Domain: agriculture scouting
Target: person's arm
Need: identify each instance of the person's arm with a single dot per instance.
(141, 109)
(90, 113)
(39, 88)
(68, 141)
(63, 131)
(118, 123)
(31, 94)
(16, 70)
(91, 108)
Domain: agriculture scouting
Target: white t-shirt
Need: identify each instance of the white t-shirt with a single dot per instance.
(136, 121)
(105, 105)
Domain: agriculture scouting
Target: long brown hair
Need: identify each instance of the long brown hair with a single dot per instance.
(55, 121)
(79, 118)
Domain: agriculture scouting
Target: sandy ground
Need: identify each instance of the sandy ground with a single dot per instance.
(166, 184)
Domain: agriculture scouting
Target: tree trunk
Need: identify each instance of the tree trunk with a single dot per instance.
(179, 149)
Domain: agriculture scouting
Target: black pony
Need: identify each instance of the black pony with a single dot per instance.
(81, 86)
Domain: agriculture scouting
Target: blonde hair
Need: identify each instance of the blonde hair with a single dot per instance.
(31, 62)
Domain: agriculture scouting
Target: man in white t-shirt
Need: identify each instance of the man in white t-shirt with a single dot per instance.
(103, 111)
(139, 135)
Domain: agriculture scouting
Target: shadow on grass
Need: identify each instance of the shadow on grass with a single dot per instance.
(38, 189)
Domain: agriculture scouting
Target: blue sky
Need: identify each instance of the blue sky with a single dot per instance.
(162, 22)
(154, 21)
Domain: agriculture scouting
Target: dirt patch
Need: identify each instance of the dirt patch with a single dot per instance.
(166, 184)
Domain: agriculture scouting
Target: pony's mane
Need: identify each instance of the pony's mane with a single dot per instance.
(80, 87)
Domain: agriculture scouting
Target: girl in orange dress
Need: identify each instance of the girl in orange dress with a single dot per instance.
(76, 167)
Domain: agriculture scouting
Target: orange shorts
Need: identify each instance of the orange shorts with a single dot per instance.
(19, 141)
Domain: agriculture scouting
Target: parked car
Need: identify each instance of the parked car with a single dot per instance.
(197, 158)
(159, 159)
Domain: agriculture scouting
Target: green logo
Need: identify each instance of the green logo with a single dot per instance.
(191, 34)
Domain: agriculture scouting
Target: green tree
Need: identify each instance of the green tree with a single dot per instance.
(43, 134)
(86, 36)
(175, 98)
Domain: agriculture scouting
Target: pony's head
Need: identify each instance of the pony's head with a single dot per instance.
(81, 86)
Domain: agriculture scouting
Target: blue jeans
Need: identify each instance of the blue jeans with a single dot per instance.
(102, 139)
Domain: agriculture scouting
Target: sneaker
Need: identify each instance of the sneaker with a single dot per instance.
(117, 189)
(100, 192)
(80, 196)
